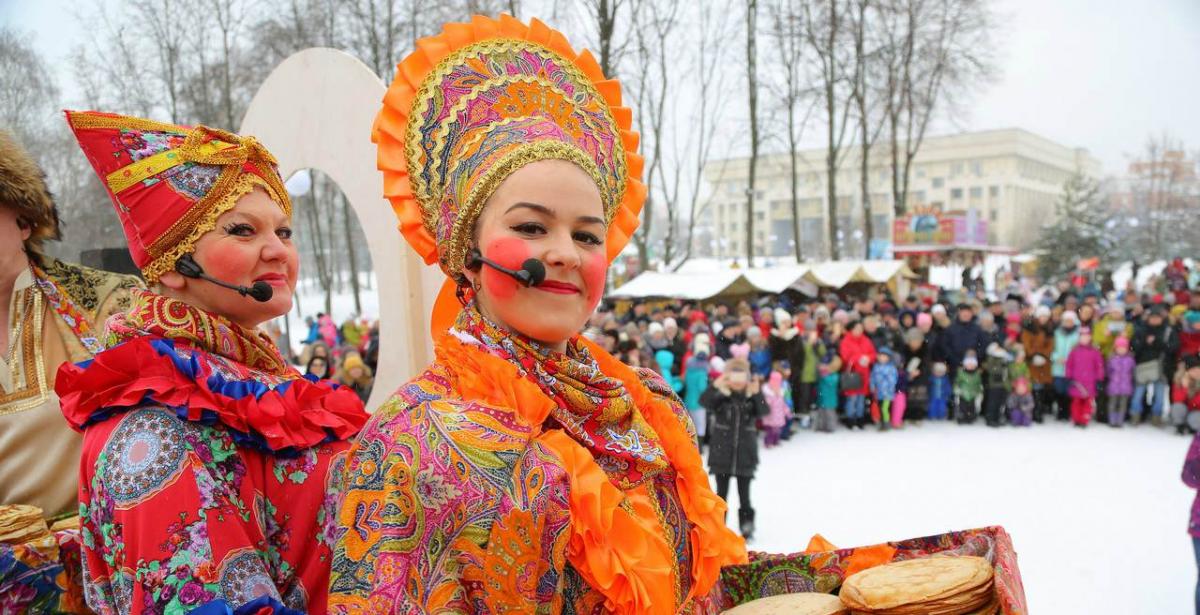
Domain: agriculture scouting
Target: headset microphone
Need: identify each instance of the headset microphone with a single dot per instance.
(531, 273)
(188, 267)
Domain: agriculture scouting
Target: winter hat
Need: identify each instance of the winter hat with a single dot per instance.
(1122, 343)
(1070, 315)
(775, 380)
(994, 350)
(913, 336)
(753, 333)
(841, 316)
(924, 320)
(1042, 311)
(702, 344)
(669, 323)
(736, 364)
(1191, 361)
(655, 328)
(782, 315)
(970, 361)
(740, 351)
(1021, 382)
(938, 309)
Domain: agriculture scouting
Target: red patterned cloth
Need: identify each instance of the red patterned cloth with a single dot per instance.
(774, 574)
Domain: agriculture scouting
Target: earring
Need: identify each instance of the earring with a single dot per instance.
(476, 285)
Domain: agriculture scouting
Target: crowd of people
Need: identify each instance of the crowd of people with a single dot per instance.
(347, 354)
(1128, 358)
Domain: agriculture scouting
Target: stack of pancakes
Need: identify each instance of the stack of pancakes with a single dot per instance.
(792, 604)
(928, 586)
(21, 524)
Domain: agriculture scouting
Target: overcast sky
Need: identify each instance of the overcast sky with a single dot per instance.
(1099, 74)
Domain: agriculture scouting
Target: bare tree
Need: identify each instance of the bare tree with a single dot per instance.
(792, 92)
(825, 33)
(27, 87)
(606, 15)
(710, 50)
(933, 52)
(863, 28)
(752, 92)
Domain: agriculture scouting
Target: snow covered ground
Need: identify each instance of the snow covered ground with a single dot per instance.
(1098, 516)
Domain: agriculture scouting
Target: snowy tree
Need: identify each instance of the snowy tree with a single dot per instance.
(1080, 230)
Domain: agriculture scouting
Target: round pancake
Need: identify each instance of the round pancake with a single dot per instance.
(808, 603)
(915, 581)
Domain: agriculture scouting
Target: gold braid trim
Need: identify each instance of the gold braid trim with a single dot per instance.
(202, 220)
(93, 120)
(455, 255)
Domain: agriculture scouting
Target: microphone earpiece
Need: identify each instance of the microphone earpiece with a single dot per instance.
(187, 266)
(531, 273)
(534, 270)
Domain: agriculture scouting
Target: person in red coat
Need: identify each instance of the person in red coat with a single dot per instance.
(1085, 370)
(857, 354)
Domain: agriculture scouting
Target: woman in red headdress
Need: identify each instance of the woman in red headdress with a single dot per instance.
(206, 479)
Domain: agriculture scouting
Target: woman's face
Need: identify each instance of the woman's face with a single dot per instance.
(355, 373)
(549, 210)
(252, 242)
(318, 367)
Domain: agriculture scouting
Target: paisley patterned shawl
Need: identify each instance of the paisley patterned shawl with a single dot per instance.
(595, 409)
(206, 369)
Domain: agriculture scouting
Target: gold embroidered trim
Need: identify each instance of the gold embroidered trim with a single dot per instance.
(458, 243)
(35, 388)
(202, 218)
(425, 95)
(87, 120)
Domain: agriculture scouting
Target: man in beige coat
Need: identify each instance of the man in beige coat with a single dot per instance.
(50, 312)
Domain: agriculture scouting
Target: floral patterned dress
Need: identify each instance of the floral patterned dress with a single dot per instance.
(208, 475)
(508, 478)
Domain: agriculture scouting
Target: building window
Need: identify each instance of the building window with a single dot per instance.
(955, 193)
(994, 215)
(977, 168)
(939, 182)
(956, 169)
(994, 191)
(760, 215)
(977, 192)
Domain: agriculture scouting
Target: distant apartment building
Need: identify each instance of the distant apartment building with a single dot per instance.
(1011, 178)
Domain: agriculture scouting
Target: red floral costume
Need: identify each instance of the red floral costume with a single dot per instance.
(208, 468)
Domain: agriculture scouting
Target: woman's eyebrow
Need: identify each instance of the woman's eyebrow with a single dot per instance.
(549, 213)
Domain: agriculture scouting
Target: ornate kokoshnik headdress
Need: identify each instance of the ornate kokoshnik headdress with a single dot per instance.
(477, 102)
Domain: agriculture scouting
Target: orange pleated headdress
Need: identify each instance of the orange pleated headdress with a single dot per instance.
(170, 183)
(475, 103)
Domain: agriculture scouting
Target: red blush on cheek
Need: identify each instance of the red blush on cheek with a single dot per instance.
(228, 264)
(507, 252)
(594, 270)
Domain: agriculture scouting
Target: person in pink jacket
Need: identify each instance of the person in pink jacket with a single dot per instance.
(857, 353)
(1085, 369)
(776, 395)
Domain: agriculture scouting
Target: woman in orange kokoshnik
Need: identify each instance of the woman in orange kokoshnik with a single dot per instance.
(525, 470)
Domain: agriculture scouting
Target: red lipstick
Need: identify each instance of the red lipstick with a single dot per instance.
(561, 288)
(274, 279)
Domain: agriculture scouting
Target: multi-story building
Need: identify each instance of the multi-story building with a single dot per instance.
(1011, 178)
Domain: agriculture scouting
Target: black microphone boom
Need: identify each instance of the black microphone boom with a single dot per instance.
(531, 273)
(259, 291)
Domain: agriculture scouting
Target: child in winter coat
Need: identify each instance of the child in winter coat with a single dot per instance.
(1185, 396)
(1020, 404)
(1084, 370)
(995, 374)
(695, 383)
(666, 360)
(1119, 385)
(734, 404)
(939, 392)
(776, 395)
(1019, 368)
(968, 387)
(884, 378)
(829, 377)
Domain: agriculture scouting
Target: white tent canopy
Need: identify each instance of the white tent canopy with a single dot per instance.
(690, 286)
(700, 283)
